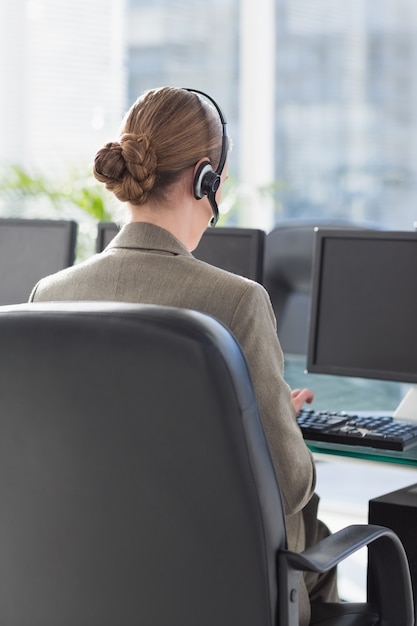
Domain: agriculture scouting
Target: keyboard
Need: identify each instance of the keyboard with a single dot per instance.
(357, 429)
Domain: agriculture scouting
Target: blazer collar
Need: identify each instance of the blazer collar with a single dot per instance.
(144, 236)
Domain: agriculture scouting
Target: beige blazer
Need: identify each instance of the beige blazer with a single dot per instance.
(147, 264)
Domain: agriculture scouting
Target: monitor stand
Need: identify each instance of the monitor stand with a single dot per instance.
(407, 409)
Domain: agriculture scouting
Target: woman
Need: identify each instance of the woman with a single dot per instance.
(169, 166)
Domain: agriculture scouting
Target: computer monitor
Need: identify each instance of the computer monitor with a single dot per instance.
(363, 318)
(238, 250)
(31, 249)
(106, 231)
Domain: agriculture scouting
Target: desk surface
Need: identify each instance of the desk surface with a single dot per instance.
(338, 393)
(407, 457)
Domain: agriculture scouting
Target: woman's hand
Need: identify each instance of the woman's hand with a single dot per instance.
(299, 396)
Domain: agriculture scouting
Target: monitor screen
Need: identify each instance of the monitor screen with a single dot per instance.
(31, 249)
(238, 250)
(363, 318)
(106, 231)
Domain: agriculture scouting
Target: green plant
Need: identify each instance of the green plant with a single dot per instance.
(19, 188)
(79, 197)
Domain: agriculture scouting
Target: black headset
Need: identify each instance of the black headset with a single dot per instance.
(207, 180)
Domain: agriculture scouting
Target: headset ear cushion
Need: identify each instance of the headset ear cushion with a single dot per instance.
(205, 179)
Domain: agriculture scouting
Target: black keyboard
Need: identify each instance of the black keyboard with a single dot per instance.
(357, 429)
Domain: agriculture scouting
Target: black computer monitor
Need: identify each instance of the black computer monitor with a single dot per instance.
(363, 318)
(238, 250)
(31, 249)
(106, 231)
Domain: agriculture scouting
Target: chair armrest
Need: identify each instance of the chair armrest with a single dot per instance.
(335, 548)
(391, 580)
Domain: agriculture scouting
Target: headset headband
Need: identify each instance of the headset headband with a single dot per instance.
(223, 154)
(225, 142)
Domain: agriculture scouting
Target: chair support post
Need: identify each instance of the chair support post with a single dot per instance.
(289, 585)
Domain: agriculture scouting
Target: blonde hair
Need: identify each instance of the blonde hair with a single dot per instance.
(166, 131)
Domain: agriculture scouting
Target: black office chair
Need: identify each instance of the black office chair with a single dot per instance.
(31, 249)
(136, 484)
(287, 276)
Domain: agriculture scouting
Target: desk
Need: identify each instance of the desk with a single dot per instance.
(407, 457)
(345, 491)
(350, 394)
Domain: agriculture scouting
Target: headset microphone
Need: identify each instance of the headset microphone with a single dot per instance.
(207, 180)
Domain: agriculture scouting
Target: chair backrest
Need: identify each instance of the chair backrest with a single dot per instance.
(287, 276)
(135, 480)
(31, 249)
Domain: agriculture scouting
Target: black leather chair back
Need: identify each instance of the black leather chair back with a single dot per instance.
(135, 481)
(136, 485)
